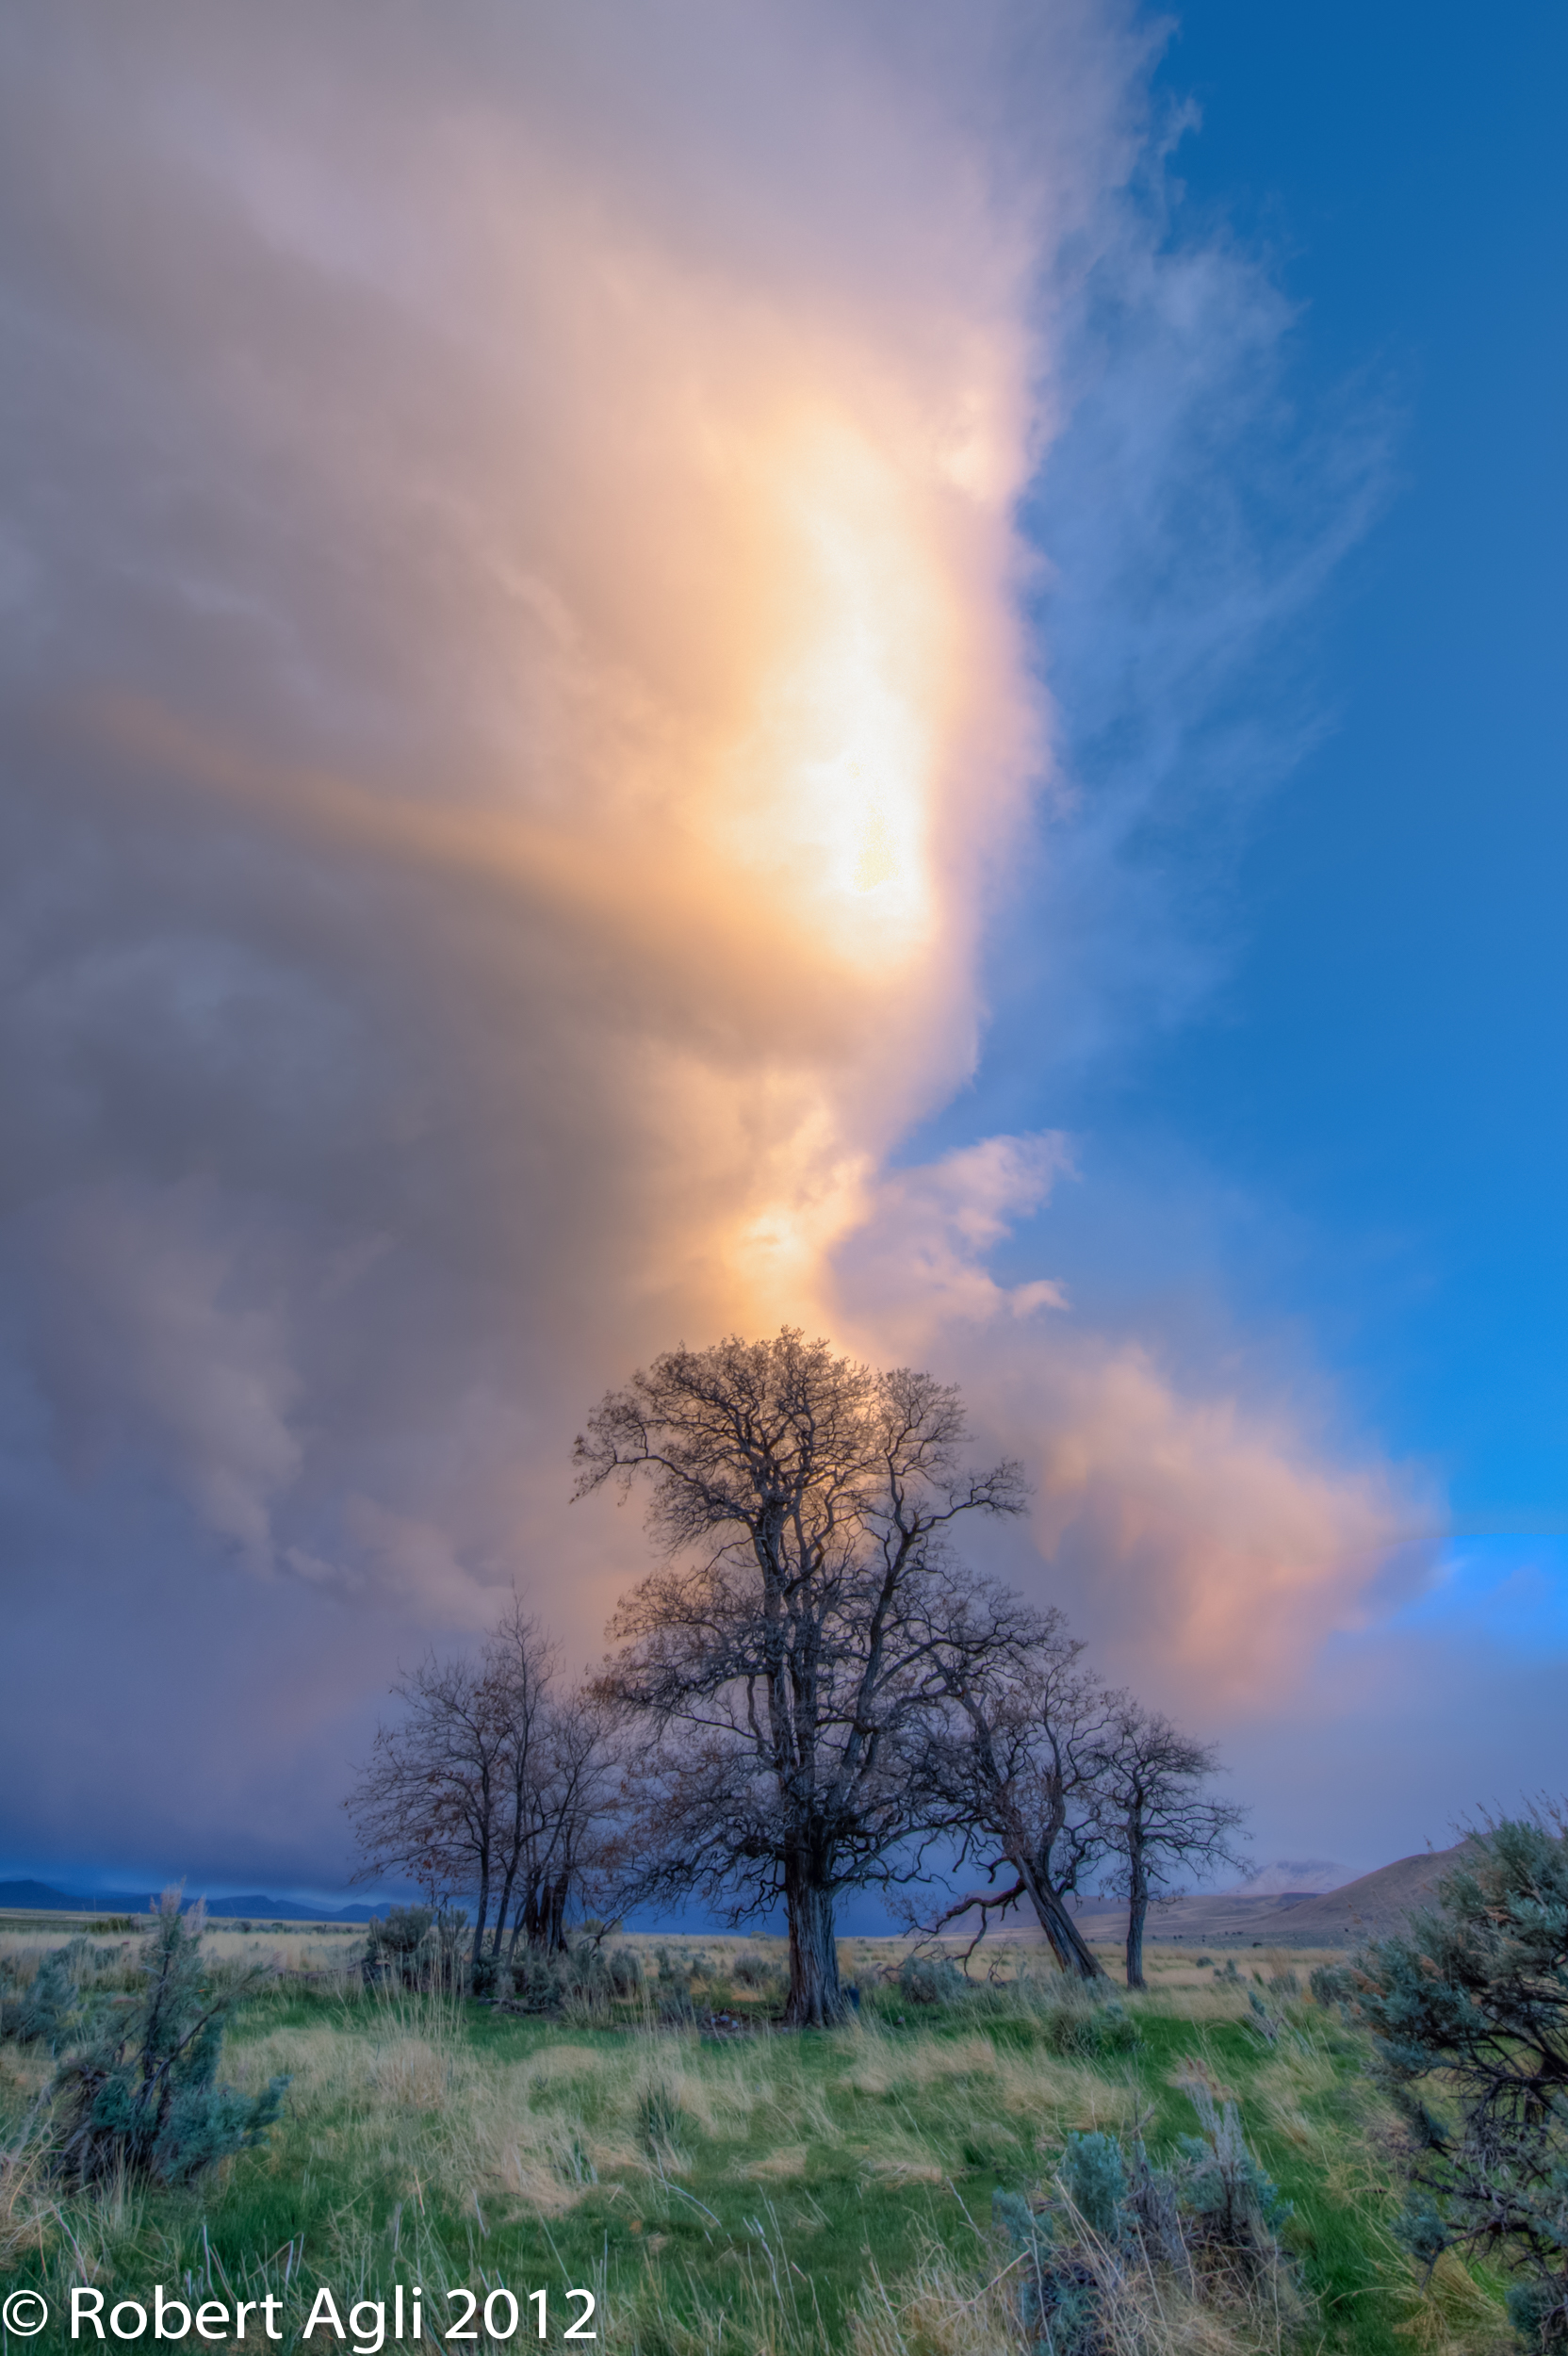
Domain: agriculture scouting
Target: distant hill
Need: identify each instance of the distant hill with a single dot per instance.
(1377, 1903)
(290, 1910)
(38, 1898)
(1369, 1908)
(24, 1897)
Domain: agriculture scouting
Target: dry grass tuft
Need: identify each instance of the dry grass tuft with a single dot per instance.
(888, 2065)
(934, 2311)
(431, 2108)
(1054, 2094)
(937, 2311)
(1449, 2314)
(904, 2160)
(27, 2210)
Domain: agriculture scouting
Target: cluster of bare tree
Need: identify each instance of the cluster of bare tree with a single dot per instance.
(498, 1787)
(1047, 1772)
(824, 1698)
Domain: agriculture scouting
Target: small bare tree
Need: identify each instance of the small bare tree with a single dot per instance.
(1151, 1815)
(1017, 1756)
(493, 1784)
(574, 1805)
(783, 1654)
(429, 1801)
(519, 1670)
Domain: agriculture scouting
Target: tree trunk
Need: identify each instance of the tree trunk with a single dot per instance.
(1066, 1941)
(816, 2000)
(533, 1911)
(503, 1907)
(1137, 1907)
(519, 1917)
(483, 1911)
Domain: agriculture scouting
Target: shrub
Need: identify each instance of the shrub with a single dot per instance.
(57, 2006)
(586, 1969)
(1469, 2006)
(50, 2007)
(1328, 1985)
(931, 1980)
(393, 1946)
(1060, 2294)
(754, 1970)
(1265, 2019)
(491, 1976)
(1535, 2311)
(1091, 2031)
(1094, 2177)
(1213, 2195)
(414, 1947)
(586, 1981)
(1057, 2294)
(138, 2095)
(625, 1971)
(539, 1981)
(1234, 2205)
(1114, 2221)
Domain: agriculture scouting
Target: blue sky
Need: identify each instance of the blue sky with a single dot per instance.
(1349, 1115)
(1387, 1056)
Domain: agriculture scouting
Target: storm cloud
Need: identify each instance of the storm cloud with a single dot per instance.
(519, 721)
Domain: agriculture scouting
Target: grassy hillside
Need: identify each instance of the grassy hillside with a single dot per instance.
(732, 2191)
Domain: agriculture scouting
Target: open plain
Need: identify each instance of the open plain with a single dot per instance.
(725, 2188)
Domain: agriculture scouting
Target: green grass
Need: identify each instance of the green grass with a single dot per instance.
(730, 2198)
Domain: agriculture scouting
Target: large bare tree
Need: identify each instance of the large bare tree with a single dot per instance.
(1155, 1818)
(783, 1653)
(1018, 1756)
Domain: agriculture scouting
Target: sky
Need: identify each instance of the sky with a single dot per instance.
(667, 671)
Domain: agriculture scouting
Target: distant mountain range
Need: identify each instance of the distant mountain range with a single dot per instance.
(1308, 1893)
(254, 1906)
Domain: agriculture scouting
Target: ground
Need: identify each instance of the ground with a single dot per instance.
(734, 2189)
